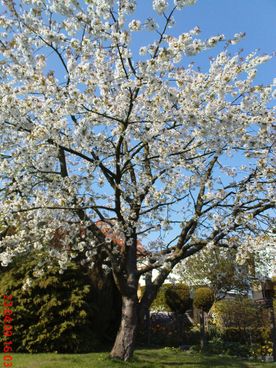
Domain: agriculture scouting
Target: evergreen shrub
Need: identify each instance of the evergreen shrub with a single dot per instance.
(54, 312)
(203, 298)
(172, 298)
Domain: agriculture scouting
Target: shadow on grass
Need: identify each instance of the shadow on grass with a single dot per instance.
(176, 364)
(224, 361)
(198, 360)
(204, 364)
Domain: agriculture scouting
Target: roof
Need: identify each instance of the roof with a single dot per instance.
(106, 228)
(118, 238)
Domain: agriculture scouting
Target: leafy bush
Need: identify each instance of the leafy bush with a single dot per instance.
(239, 314)
(203, 298)
(178, 298)
(54, 312)
(219, 346)
(246, 335)
(265, 349)
(159, 303)
(193, 335)
(172, 298)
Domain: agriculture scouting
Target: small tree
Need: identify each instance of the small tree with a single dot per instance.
(203, 300)
(217, 268)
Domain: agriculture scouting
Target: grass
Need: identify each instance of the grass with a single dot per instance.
(157, 358)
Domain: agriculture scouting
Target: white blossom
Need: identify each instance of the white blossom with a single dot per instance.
(135, 25)
(160, 5)
(156, 148)
(150, 24)
(27, 284)
(181, 3)
(237, 37)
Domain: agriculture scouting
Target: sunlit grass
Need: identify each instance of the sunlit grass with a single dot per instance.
(161, 358)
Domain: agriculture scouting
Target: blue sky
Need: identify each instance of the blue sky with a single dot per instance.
(255, 17)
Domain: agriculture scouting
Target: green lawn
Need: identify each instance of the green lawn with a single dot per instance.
(162, 358)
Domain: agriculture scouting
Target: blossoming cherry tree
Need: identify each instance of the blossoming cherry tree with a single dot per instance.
(159, 150)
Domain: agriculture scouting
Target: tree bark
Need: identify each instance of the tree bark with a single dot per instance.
(124, 343)
(203, 340)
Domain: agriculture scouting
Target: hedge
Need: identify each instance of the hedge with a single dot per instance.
(56, 312)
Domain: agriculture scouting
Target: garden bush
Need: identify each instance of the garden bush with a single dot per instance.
(172, 298)
(177, 297)
(159, 303)
(241, 319)
(52, 311)
(203, 298)
(219, 346)
(242, 327)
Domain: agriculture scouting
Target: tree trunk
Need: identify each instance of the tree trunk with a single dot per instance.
(203, 340)
(124, 344)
